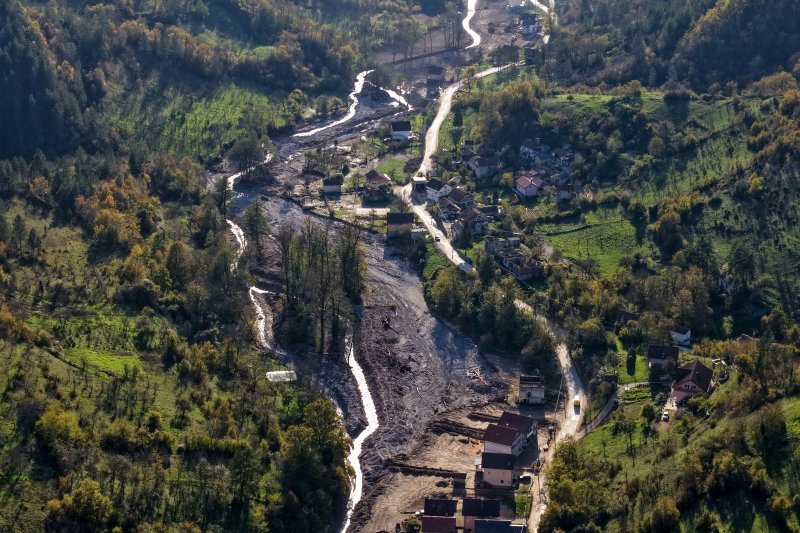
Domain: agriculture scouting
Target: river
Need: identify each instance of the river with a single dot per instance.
(476, 37)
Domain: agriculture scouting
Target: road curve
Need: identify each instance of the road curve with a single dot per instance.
(476, 37)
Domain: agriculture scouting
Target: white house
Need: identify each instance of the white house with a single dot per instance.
(681, 335)
(401, 130)
(497, 469)
(502, 439)
(435, 190)
(529, 185)
(524, 424)
(332, 185)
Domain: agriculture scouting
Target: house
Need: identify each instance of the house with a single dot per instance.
(496, 470)
(483, 166)
(659, 357)
(494, 243)
(472, 220)
(399, 224)
(524, 424)
(692, 380)
(563, 193)
(492, 212)
(376, 185)
(530, 150)
(681, 335)
(438, 524)
(467, 154)
(499, 526)
(448, 209)
(462, 198)
(418, 183)
(332, 185)
(475, 509)
(521, 266)
(563, 156)
(529, 185)
(435, 72)
(432, 89)
(531, 389)
(435, 190)
(502, 439)
(624, 318)
(401, 130)
(440, 506)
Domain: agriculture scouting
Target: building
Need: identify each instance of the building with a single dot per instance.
(681, 334)
(438, 524)
(435, 72)
(440, 507)
(462, 198)
(524, 424)
(692, 380)
(529, 23)
(529, 185)
(531, 389)
(559, 178)
(472, 220)
(502, 439)
(530, 150)
(496, 470)
(399, 224)
(483, 167)
(521, 266)
(418, 183)
(432, 89)
(376, 185)
(435, 190)
(332, 185)
(448, 209)
(401, 130)
(476, 509)
(499, 526)
(495, 243)
(563, 193)
(661, 357)
(563, 156)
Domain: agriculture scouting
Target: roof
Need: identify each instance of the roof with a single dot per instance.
(484, 162)
(498, 461)
(399, 218)
(681, 330)
(500, 434)
(526, 181)
(440, 506)
(521, 423)
(662, 352)
(434, 184)
(376, 178)
(531, 380)
(469, 214)
(697, 373)
(438, 524)
(530, 144)
(459, 194)
(498, 526)
(337, 180)
(433, 69)
(446, 203)
(480, 507)
(401, 125)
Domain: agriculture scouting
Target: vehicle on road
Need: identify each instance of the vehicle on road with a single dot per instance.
(577, 401)
(437, 238)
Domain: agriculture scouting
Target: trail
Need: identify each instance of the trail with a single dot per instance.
(476, 38)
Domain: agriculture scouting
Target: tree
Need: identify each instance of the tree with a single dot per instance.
(84, 509)
(17, 232)
(179, 264)
(664, 518)
(246, 153)
(255, 224)
(648, 411)
(742, 264)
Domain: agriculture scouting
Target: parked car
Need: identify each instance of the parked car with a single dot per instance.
(665, 416)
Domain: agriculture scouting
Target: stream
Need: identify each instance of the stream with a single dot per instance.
(476, 38)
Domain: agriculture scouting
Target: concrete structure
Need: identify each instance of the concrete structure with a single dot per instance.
(476, 509)
(496, 470)
(401, 130)
(531, 389)
(399, 224)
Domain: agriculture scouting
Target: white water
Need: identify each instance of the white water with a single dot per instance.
(359, 85)
(372, 426)
(397, 97)
(476, 38)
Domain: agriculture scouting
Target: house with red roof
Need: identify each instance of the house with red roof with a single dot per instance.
(503, 439)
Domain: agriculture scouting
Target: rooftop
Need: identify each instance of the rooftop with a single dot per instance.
(439, 524)
(655, 351)
(401, 125)
(480, 507)
(498, 461)
(697, 373)
(521, 423)
(500, 434)
(440, 506)
(399, 218)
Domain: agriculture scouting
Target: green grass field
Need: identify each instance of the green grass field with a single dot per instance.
(607, 238)
(110, 362)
